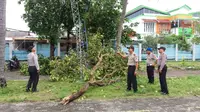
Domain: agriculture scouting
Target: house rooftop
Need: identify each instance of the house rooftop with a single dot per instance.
(142, 6)
(184, 6)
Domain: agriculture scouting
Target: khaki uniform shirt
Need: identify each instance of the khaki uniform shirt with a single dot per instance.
(33, 60)
(151, 58)
(132, 59)
(162, 60)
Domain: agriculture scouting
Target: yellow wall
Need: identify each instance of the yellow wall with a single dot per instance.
(179, 16)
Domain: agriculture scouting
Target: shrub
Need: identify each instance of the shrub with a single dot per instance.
(67, 68)
(196, 40)
(150, 41)
(170, 39)
(44, 63)
(24, 69)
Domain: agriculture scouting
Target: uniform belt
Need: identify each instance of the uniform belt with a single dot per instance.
(131, 65)
(149, 64)
(164, 65)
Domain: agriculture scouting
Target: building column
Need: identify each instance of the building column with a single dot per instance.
(194, 52)
(35, 46)
(158, 46)
(176, 52)
(10, 50)
(58, 49)
(140, 52)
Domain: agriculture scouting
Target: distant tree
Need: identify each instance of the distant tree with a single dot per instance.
(103, 17)
(48, 18)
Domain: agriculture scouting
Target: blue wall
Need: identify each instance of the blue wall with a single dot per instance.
(7, 51)
(197, 52)
(170, 51)
(44, 49)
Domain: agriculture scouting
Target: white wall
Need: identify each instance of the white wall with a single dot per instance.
(140, 28)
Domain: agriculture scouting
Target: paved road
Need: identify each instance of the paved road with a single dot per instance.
(15, 75)
(191, 104)
(171, 73)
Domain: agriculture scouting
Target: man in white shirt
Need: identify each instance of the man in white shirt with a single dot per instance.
(33, 69)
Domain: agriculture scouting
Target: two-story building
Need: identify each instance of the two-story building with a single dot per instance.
(155, 22)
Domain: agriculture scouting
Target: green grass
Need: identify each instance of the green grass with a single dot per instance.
(177, 64)
(54, 91)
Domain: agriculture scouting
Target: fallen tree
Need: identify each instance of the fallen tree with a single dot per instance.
(105, 68)
(92, 81)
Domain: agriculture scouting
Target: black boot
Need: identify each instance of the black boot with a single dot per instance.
(27, 90)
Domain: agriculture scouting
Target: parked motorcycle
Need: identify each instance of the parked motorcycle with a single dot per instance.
(13, 64)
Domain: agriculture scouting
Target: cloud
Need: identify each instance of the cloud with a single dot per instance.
(14, 12)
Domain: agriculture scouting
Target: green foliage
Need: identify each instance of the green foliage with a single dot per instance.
(44, 63)
(196, 40)
(69, 68)
(48, 19)
(103, 17)
(94, 45)
(183, 61)
(110, 62)
(24, 69)
(150, 41)
(65, 69)
(172, 39)
(126, 33)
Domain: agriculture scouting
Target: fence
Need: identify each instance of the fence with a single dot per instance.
(172, 51)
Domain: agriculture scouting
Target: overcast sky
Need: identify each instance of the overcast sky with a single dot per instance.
(15, 11)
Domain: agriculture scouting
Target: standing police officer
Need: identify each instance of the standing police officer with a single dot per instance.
(33, 69)
(132, 68)
(162, 69)
(151, 62)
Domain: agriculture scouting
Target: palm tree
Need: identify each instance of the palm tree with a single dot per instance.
(2, 36)
(120, 27)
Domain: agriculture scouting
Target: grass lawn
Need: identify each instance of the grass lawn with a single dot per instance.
(54, 91)
(176, 64)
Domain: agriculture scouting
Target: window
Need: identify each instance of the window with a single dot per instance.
(23, 45)
(149, 27)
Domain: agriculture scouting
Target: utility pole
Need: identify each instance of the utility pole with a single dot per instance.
(78, 28)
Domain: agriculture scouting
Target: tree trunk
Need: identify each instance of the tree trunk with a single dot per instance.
(68, 42)
(120, 27)
(85, 87)
(52, 49)
(2, 35)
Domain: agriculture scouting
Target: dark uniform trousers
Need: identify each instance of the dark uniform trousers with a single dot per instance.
(34, 77)
(131, 78)
(150, 73)
(163, 82)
